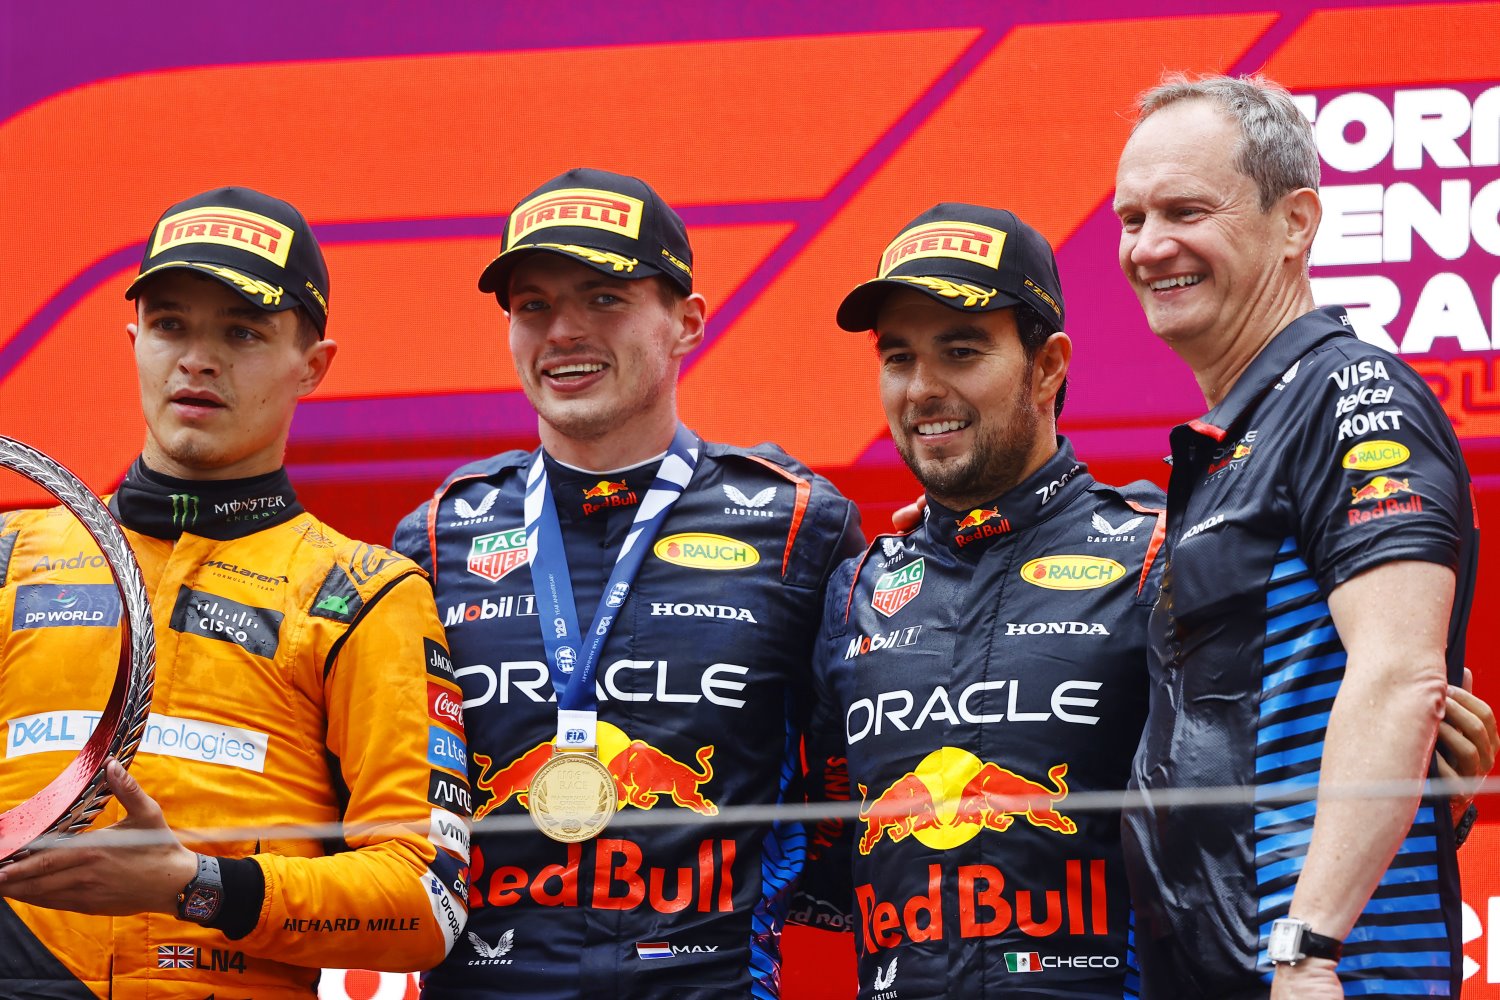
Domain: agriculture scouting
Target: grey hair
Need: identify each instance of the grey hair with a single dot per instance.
(1276, 149)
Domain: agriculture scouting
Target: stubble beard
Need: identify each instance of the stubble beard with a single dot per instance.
(995, 465)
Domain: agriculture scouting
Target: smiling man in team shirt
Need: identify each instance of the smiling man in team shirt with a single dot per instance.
(667, 597)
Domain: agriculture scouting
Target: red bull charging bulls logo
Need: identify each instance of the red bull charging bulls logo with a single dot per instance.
(607, 493)
(952, 795)
(981, 522)
(643, 775)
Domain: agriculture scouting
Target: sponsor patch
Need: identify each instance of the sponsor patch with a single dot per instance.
(700, 550)
(337, 599)
(368, 561)
(955, 240)
(504, 606)
(445, 706)
(450, 832)
(169, 736)
(255, 630)
(495, 555)
(446, 750)
(492, 954)
(448, 792)
(1371, 456)
(439, 663)
(894, 639)
(587, 207)
(49, 605)
(445, 909)
(1069, 572)
(749, 506)
(725, 612)
(896, 589)
(228, 227)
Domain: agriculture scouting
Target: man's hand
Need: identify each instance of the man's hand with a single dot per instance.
(1467, 741)
(1309, 979)
(908, 517)
(89, 874)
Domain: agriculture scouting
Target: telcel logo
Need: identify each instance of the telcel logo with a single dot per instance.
(700, 550)
(1071, 572)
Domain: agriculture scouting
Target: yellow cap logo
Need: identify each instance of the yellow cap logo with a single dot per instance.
(958, 240)
(1372, 455)
(228, 227)
(615, 213)
(1071, 572)
(700, 550)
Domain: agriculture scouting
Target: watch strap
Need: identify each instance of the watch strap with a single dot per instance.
(1315, 945)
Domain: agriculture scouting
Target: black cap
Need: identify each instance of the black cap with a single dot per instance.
(259, 246)
(968, 257)
(610, 222)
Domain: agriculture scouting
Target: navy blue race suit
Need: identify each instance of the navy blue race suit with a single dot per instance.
(1327, 458)
(702, 685)
(971, 676)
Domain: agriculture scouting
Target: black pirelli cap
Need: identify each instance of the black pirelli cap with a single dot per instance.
(259, 246)
(613, 223)
(968, 257)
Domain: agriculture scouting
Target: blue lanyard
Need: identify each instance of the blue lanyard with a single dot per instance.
(571, 656)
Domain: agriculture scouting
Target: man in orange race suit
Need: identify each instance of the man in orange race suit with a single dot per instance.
(295, 670)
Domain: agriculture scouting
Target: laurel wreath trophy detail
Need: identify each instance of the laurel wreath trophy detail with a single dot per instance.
(72, 799)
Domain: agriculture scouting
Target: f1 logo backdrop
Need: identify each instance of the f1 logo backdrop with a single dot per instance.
(794, 142)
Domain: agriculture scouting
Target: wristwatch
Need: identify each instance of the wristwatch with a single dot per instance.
(200, 899)
(1292, 940)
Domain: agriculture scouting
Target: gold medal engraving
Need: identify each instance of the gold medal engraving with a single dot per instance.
(572, 796)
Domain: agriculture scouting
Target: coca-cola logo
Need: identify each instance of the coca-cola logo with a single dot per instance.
(445, 706)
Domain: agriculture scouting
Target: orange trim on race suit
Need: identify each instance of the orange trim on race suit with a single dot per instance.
(1158, 539)
(799, 507)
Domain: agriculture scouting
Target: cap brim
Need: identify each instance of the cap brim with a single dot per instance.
(253, 288)
(861, 307)
(496, 277)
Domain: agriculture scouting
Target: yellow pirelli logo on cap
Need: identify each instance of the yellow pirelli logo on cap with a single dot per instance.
(229, 227)
(615, 213)
(959, 240)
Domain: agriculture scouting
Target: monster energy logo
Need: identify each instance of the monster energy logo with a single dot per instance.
(184, 509)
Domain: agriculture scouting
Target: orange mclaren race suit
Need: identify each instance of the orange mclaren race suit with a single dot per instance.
(701, 688)
(973, 677)
(301, 678)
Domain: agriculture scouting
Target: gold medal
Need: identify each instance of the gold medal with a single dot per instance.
(572, 796)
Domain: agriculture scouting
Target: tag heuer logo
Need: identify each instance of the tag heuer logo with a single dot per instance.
(895, 590)
(494, 555)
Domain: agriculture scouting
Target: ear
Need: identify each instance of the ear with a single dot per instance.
(1302, 210)
(130, 331)
(1050, 369)
(692, 314)
(316, 361)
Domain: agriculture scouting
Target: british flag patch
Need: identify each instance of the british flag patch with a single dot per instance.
(176, 956)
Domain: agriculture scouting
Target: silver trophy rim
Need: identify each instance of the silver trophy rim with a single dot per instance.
(135, 707)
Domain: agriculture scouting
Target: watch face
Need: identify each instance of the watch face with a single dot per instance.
(1285, 943)
(201, 904)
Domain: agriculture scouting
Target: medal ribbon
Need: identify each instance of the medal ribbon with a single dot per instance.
(572, 657)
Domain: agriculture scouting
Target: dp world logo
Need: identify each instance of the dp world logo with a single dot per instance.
(184, 509)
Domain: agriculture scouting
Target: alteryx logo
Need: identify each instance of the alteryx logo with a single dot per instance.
(48, 605)
(446, 750)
